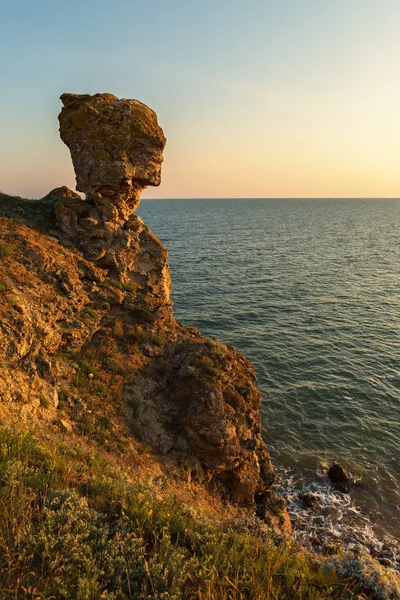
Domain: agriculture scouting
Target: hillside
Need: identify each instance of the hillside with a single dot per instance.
(131, 458)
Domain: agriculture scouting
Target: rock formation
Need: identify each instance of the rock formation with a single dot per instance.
(116, 148)
(97, 294)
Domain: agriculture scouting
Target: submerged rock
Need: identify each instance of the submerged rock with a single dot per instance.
(308, 500)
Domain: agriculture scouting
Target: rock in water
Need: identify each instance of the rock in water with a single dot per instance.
(339, 477)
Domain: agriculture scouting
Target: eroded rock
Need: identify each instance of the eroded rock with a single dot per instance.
(107, 307)
(60, 193)
(116, 147)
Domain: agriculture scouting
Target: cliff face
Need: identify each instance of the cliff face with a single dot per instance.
(86, 324)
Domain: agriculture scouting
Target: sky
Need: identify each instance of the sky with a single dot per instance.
(257, 98)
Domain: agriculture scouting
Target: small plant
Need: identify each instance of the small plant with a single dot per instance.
(138, 335)
(219, 349)
(159, 340)
(117, 366)
(63, 396)
(118, 329)
(87, 425)
(125, 286)
(193, 330)
(143, 314)
(100, 390)
(191, 371)
(44, 402)
(144, 449)
(3, 286)
(5, 250)
(88, 312)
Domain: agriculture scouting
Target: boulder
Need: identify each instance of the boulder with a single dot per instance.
(308, 500)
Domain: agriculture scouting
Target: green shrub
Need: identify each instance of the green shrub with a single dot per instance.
(44, 401)
(73, 527)
(88, 312)
(5, 250)
(125, 286)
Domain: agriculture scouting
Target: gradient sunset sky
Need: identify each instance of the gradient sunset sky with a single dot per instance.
(258, 98)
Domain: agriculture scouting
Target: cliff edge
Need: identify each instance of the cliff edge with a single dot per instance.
(131, 459)
(86, 324)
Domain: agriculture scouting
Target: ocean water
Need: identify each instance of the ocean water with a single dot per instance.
(309, 291)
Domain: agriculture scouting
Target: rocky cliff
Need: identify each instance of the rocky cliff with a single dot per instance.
(87, 333)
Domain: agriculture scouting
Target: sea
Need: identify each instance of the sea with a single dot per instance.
(309, 291)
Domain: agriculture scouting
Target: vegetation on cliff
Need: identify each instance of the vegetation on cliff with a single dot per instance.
(131, 458)
(79, 522)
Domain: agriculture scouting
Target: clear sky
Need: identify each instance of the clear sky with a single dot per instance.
(258, 98)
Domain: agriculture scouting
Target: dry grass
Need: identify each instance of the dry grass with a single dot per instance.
(77, 525)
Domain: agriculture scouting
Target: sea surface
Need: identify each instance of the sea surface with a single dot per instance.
(309, 291)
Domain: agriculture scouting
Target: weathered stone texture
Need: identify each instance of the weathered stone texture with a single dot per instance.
(116, 146)
(102, 277)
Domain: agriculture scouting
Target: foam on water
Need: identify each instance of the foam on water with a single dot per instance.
(334, 519)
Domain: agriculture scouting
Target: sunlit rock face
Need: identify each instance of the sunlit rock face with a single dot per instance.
(88, 277)
(117, 150)
(116, 147)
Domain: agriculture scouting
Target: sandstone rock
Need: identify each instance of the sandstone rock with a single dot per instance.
(199, 399)
(60, 193)
(116, 148)
(99, 290)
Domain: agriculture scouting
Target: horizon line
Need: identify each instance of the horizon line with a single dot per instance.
(276, 198)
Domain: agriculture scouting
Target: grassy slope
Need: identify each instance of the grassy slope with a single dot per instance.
(87, 511)
(76, 523)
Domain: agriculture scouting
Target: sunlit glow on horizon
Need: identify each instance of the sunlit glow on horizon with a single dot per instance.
(262, 101)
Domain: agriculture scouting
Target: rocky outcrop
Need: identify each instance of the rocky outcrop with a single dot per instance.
(116, 148)
(87, 311)
(197, 400)
(60, 193)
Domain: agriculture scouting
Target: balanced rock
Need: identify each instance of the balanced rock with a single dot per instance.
(116, 147)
